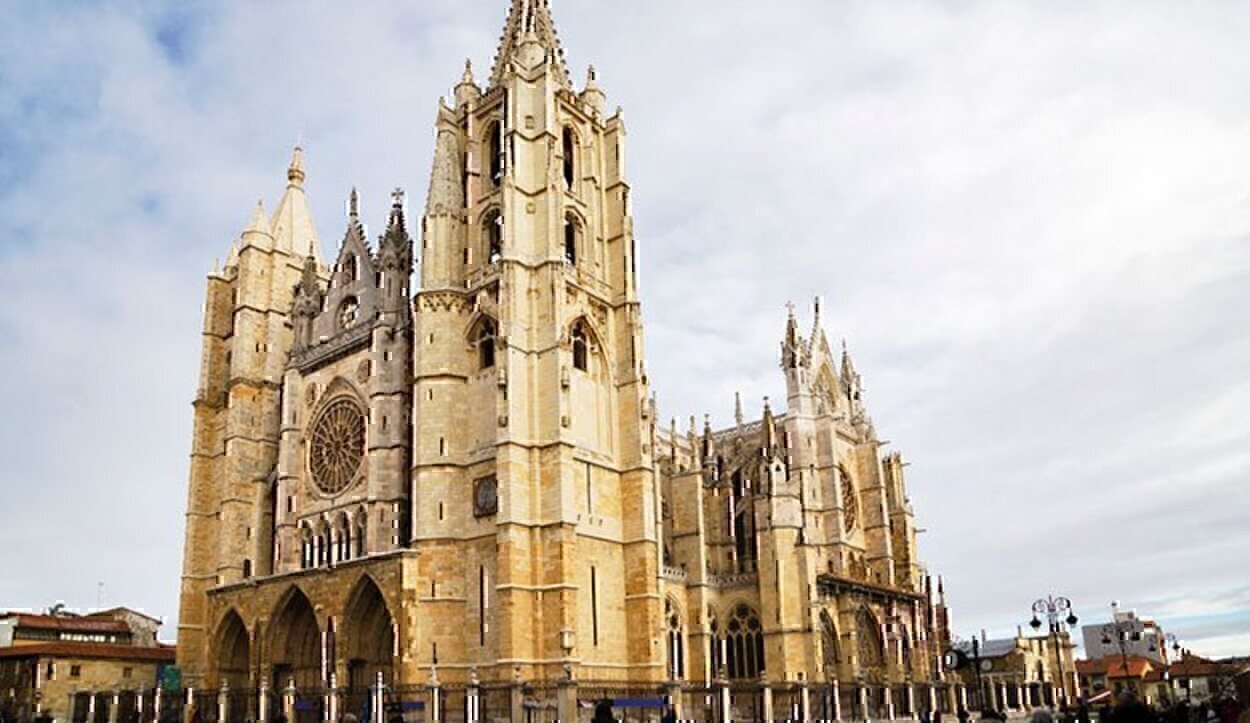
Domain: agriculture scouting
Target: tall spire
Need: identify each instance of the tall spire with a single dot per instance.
(529, 21)
(292, 225)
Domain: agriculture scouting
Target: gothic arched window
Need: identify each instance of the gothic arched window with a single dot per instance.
(676, 642)
(345, 538)
(495, 151)
(571, 233)
(492, 229)
(742, 641)
(360, 535)
(484, 340)
(569, 147)
(580, 347)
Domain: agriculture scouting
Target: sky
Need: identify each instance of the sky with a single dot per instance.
(1030, 221)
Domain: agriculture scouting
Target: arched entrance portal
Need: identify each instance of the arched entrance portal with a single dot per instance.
(368, 637)
(295, 644)
(234, 648)
(368, 645)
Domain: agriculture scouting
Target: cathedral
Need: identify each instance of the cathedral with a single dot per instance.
(433, 460)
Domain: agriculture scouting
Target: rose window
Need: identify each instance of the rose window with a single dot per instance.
(338, 446)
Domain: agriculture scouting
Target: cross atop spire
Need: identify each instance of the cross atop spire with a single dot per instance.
(529, 21)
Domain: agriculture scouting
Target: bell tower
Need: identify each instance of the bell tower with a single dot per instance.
(534, 495)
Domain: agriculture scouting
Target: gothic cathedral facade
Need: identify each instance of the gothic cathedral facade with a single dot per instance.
(468, 476)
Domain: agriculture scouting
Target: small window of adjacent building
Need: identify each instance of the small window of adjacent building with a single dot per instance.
(75, 671)
(127, 672)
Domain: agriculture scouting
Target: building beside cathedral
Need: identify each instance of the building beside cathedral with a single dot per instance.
(464, 482)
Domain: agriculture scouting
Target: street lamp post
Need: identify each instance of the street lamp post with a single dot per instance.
(958, 659)
(1054, 609)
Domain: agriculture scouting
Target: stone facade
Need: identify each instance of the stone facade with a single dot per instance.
(468, 477)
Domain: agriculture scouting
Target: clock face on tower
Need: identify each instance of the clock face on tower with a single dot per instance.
(337, 446)
(485, 497)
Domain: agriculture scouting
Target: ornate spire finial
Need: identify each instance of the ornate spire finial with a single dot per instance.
(295, 172)
(738, 408)
(529, 21)
(397, 198)
(468, 72)
(353, 204)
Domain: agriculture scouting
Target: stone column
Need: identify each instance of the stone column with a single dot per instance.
(377, 692)
(332, 699)
(673, 692)
(435, 697)
(566, 698)
(473, 699)
(518, 700)
(911, 701)
(288, 701)
(263, 704)
(963, 696)
(139, 702)
(835, 705)
(726, 713)
(805, 702)
(223, 703)
(766, 699)
(90, 707)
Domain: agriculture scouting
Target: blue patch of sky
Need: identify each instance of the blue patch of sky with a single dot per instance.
(177, 30)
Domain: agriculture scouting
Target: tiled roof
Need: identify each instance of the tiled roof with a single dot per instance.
(991, 648)
(1193, 666)
(161, 654)
(75, 624)
(1137, 667)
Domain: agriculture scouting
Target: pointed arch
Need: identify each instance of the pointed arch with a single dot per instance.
(574, 237)
(581, 346)
(674, 623)
(492, 235)
(343, 537)
(233, 656)
(831, 653)
(870, 644)
(362, 527)
(483, 336)
(295, 641)
(494, 153)
(368, 642)
(741, 639)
